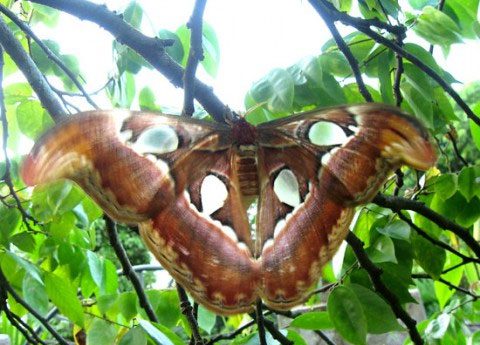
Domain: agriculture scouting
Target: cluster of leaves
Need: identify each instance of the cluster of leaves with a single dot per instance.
(56, 264)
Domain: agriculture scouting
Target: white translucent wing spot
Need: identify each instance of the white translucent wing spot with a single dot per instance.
(328, 155)
(286, 188)
(156, 140)
(213, 193)
(326, 134)
(279, 227)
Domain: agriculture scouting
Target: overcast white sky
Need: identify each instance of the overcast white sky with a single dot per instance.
(255, 37)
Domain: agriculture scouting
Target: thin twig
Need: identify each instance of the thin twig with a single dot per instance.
(35, 78)
(127, 268)
(195, 55)
(398, 204)
(150, 48)
(7, 177)
(51, 55)
(447, 283)
(188, 312)
(436, 242)
(364, 26)
(232, 335)
(348, 55)
(4, 283)
(455, 149)
(398, 74)
(375, 274)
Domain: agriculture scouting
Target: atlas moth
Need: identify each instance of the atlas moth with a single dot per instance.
(153, 169)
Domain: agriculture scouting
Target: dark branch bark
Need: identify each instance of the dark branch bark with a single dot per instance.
(363, 25)
(6, 286)
(36, 79)
(127, 268)
(151, 49)
(348, 55)
(51, 55)
(375, 274)
(397, 204)
(195, 55)
(188, 312)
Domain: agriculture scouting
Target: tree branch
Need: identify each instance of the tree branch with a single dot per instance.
(348, 55)
(375, 274)
(36, 79)
(188, 312)
(151, 49)
(364, 26)
(127, 268)
(397, 204)
(6, 286)
(51, 55)
(195, 55)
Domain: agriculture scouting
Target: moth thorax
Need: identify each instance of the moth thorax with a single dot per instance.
(246, 166)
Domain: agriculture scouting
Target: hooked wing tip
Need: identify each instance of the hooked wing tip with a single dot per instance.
(27, 171)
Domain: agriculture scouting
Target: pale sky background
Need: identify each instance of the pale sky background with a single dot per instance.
(254, 37)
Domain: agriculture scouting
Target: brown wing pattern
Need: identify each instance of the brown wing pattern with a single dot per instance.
(149, 169)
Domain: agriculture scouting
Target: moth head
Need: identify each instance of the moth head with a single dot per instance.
(407, 142)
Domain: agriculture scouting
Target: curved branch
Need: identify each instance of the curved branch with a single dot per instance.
(364, 26)
(51, 55)
(397, 204)
(348, 55)
(127, 268)
(6, 286)
(36, 79)
(375, 274)
(151, 49)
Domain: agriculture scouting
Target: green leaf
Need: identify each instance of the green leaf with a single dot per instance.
(437, 28)
(442, 291)
(35, 294)
(176, 49)
(17, 92)
(437, 327)
(95, 265)
(101, 332)
(210, 47)
(420, 4)
(146, 100)
(446, 185)
(384, 76)
(315, 320)
(29, 268)
(383, 250)
(335, 63)
(110, 281)
(61, 227)
(206, 319)
(276, 88)
(347, 315)
(429, 256)
(421, 106)
(475, 131)
(469, 182)
(156, 335)
(419, 80)
(127, 303)
(397, 229)
(379, 315)
(135, 336)
(296, 338)
(166, 306)
(11, 218)
(464, 13)
(133, 14)
(63, 294)
(32, 119)
(24, 241)
(211, 50)
(423, 55)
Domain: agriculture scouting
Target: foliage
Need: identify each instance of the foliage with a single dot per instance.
(55, 255)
